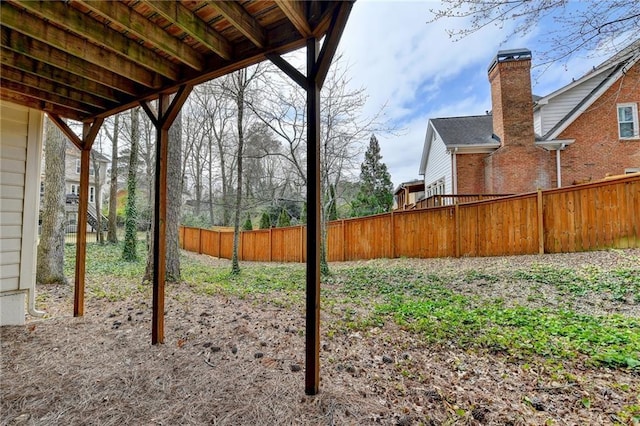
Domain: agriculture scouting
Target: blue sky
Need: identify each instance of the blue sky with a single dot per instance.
(420, 73)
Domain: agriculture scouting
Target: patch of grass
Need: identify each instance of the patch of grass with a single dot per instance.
(519, 331)
(252, 280)
(106, 260)
(618, 283)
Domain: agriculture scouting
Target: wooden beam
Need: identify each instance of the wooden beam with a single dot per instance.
(22, 99)
(64, 128)
(21, 44)
(48, 97)
(192, 25)
(101, 35)
(241, 20)
(52, 87)
(58, 76)
(294, 10)
(44, 32)
(312, 336)
(144, 29)
(288, 69)
(331, 41)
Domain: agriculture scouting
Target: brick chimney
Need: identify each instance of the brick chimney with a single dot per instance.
(511, 98)
(518, 165)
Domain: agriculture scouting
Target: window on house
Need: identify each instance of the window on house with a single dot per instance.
(628, 121)
(91, 171)
(92, 194)
(435, 188)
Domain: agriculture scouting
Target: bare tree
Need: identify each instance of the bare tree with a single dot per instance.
(236, 86)
(97, 181)
(579, 27)
(344, 128)
(50, 267)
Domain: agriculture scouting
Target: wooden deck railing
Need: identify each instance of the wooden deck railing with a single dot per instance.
(598, 215)
(450, 200)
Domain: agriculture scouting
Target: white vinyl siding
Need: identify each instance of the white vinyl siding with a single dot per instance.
(13, 156)
(559, 106)
(20, 151)
(438, 165)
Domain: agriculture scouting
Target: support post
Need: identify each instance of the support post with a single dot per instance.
(89, 133)
(312, 343)
(162, 120)
(81, 234)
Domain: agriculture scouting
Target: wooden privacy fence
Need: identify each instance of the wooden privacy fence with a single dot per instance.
(598, 215)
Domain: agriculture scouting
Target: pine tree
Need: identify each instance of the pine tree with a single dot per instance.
(265, 221)
(247, 226)
(284, 219)
(376, 190)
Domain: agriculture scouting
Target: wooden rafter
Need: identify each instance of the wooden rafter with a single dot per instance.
(22, 99)
(38, 69)
(192, 25)
(52, 88)
(142, 28)
(239, 18)
(42, 52)
(44, 96)
(295, 11)
(103, 37)
(65, 41)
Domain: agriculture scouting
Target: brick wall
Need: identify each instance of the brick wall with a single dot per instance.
(518, 169)
(470, 172)
(598, 150)
(518, 165)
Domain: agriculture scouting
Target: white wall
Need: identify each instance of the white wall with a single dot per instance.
(439, 165)
(20, 153)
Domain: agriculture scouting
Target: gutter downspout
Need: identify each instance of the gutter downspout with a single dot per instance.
(558, 169)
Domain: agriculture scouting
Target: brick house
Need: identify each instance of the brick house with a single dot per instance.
(583, 131)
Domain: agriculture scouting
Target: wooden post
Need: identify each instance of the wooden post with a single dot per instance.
(199, 240)
(392, 231)
(344, 242)
(540, 223)
(219, 244)
(301, 244)
(457, 225)
(312, 345)
(81, 234)
(162, 120)
(89, 133)
(270, 244)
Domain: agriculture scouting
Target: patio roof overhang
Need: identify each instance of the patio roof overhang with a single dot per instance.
(88, 59)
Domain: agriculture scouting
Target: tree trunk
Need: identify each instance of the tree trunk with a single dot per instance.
(97, 197)
(129, 251)
(174, 198)
(50, 268)
(112, 236)
(235, 266)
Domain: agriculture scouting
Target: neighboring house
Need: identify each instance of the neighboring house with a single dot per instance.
(72, 184)
(408, 193)
(584, 131)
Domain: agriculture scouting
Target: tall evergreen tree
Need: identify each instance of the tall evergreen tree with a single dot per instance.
(265, 221)
(376, 190)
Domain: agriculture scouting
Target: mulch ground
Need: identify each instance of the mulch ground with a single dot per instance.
(233, 361)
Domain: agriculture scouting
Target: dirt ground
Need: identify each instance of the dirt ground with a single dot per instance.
(240, 361)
